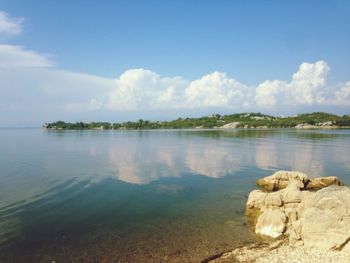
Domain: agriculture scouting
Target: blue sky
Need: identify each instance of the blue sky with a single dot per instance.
(161, 59)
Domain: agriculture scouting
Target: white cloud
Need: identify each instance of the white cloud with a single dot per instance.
(268, 92)
(307, 87)
(342, 96)
(140, 89)
(33, 91)
(18, 57)
(52, 86)
(144, 89)
(9, 26)
(215, 90)
(308, 84)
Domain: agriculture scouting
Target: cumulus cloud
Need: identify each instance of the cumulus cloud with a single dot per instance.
(144, 89)
(9, 26)
(307, 87)
(342, 96)
(215, 90)
(268, 92)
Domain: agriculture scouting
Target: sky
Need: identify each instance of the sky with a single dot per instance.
(125, 60)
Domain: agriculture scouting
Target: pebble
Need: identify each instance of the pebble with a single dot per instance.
(288, 254)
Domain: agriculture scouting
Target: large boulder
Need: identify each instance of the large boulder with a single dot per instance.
(280, 179)
(325, 218)
(258, 202)
(316, 219)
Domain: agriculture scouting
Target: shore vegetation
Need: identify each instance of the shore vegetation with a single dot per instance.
(241, 120)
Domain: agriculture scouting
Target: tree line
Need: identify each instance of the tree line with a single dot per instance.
(244, 120)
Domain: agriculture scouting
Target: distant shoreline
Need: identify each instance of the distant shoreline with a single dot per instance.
(197, 129)
(315, 120)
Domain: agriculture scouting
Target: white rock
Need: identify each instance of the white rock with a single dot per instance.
(231, 125)
(292, 193)
(281, 179)
(325, 218)
(256, 199)
(316, 220)
(271, 223)
(273, 200)
(324, 229)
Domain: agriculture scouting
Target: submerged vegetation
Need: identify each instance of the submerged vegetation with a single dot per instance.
(240, 120)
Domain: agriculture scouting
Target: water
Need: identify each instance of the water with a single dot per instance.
(144, 196)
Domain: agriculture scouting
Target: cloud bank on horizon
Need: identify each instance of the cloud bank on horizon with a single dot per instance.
(33, 89)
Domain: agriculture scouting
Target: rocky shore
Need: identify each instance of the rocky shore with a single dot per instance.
(299, 219)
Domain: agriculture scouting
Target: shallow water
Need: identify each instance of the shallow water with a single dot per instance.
(144, 196)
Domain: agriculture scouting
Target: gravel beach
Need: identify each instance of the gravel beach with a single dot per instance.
(283, 253)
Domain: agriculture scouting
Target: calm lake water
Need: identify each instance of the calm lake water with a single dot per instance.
(144, 196)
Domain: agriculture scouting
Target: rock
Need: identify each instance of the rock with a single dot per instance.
(325, 218)
(321, 182)
(256, 199)
(324, 229)
(313, 219)
(326, 123)
(346, 248)
(334, 198)
(305, 126)
(291, 214)
(281, 179)
(294, 232)
(271, 223)
(231, 125)
(292, 193)
(273, 200)
(258, 202)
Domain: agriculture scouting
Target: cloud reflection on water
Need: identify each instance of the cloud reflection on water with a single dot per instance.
(218, 155)
(44, 159)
